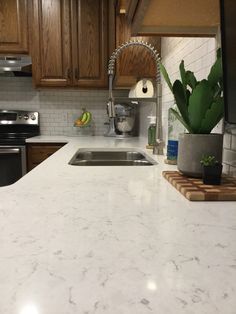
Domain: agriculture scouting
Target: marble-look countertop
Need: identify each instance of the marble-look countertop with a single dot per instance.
(115, 240)
(50, 139)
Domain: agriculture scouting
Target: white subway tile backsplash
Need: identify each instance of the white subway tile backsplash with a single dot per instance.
(211, 46)
(226, 168)
(58, 108)
(227, 141)
(233, 145)
(232, 171)
(229, 155)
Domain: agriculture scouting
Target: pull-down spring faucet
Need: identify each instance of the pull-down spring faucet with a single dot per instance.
(159, 145)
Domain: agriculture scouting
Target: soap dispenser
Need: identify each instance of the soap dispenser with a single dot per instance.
(151, 131)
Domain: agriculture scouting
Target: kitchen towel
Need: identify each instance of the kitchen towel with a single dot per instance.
(142, 89)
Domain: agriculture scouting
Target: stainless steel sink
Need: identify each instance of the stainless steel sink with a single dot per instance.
(110, 157)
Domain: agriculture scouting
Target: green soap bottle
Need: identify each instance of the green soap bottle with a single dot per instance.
(152, 131)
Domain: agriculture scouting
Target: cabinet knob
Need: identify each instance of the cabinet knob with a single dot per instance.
(69, 72)
(76, 74)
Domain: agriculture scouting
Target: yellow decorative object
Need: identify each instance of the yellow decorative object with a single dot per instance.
(84, 119)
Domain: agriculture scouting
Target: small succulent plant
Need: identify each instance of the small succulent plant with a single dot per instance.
(200, 103)
(209, 160)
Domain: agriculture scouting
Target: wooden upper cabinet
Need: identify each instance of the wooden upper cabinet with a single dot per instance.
(175, 17)
(51, 43)
(134, 62)
(13, 26)
(70, 43)
(127, 7)
(90, 42)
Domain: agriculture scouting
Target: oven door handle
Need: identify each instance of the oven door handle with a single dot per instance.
(9, 151)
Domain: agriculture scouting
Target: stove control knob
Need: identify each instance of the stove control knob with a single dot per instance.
(32, 116)
(20, 117)
(26, 117)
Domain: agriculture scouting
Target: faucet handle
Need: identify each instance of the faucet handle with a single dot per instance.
(111, 130)
(158, 147)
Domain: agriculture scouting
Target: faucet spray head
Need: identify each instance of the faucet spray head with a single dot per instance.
(111, 108)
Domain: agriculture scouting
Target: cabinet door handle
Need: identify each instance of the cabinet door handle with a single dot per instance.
(9, 151)
(69, 74)
(76, 74)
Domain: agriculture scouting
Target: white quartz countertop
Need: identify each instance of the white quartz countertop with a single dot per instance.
(50, 139)
(115, 240)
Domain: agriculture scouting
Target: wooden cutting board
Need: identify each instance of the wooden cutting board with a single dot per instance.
(194, 189)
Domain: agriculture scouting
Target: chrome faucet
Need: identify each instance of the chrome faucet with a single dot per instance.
(159, 144)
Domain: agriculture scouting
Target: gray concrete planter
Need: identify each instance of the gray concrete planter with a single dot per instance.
(191, 149)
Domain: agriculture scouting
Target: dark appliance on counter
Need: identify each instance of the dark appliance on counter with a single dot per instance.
(228, 26)
(15, 127)
(125, 123)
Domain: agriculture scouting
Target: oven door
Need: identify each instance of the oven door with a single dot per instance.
(12, 164)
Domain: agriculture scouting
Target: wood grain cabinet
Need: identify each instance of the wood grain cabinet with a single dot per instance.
(13, 27)
(51, 43)
(134, 62)
(173, 17)
(36, 153)
(70, 43)
(90, 42)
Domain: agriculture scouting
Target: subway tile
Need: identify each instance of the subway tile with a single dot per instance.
(225, 168)
(227, 140)
(232, 171)
(229, 157)
(233, 145)
(211, 45)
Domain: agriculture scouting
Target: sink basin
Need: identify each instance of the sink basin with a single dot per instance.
(110, 157)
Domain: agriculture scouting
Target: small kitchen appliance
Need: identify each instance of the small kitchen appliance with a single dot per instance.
(125, 121)
(15, 127)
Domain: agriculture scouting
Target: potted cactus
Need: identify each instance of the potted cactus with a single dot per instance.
(211, 170)
(200, 107)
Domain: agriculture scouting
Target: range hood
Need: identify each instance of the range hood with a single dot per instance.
(17, 63)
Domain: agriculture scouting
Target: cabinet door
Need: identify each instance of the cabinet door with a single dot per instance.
(51, 43)
(134, 62)
(90, 42)
(13, 26)
(37, 153)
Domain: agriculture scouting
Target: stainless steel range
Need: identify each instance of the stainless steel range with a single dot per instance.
(15, 127)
